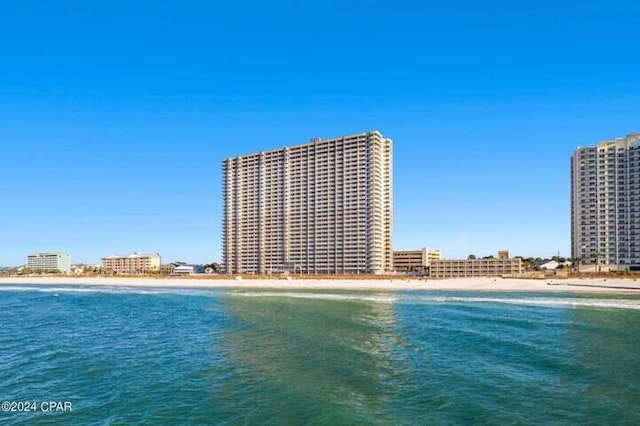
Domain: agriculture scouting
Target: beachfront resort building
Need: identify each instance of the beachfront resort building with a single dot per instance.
(414, 260)
(486, 267)
(134, 263)
(51, 261)
(605, 205)
(324, 207)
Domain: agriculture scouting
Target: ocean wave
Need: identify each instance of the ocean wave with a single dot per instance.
(550, 302)
(386, 298)
(376, 298)
(111, 290)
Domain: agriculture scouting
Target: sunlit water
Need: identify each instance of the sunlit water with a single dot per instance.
(178, 356)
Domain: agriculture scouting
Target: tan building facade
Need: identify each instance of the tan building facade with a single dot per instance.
(414, 260)
(605, 205)
(493, 267)
(324, 207)
(134, 263)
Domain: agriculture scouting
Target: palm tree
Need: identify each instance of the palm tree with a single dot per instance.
(575, 263)
(597, 256)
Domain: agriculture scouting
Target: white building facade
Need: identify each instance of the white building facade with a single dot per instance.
(49, 262)
(605, 205)
(324, 207)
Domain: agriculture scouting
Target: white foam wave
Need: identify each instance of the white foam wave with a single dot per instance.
(551, 302)
(109, 290)
(376, 298)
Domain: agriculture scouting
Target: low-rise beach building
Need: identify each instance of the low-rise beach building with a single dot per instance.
(134, 263)
(487, 267)
(183, 270)
(414, 260)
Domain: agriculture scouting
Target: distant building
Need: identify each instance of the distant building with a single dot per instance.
(414, 260)
(490, 267)
(605, 205)
(183, 270)
(503, 254)
(134, 263)
(49, 262)
(167, 269)
(324, 207)
(178, 268)
(81, 268)
(553, 265)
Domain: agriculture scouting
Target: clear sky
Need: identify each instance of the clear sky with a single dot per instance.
(115, 115)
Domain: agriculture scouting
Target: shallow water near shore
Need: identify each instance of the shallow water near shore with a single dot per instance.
(217, 356)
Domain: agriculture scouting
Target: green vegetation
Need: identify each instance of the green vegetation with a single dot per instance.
(214, 267)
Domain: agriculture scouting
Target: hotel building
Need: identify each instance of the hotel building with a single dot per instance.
(414, 260)
(490, 267)
(605, 205)
(134, 263)
(324, 207)
(49, 262)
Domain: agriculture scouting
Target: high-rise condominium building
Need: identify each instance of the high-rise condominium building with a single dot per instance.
(605, 205)
(324, 207)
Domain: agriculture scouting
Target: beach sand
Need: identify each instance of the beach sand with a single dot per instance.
(575, 285)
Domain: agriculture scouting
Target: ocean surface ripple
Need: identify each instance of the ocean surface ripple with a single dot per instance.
(192, 356)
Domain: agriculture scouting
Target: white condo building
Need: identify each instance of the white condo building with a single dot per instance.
(605, 205)
(324, 207)
(49, 262)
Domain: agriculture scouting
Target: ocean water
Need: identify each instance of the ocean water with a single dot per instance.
(178, 356)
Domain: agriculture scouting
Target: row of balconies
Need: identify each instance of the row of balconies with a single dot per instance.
(304, 208)
(326, 236)
(325, 242)
(349, 165)
(350, 168)
(329, 257)
(318, 241)
(328, 220)
(296, 232)
(328, 226)
(352, 250)
(297, 216)
(334, 165)
(343, 262)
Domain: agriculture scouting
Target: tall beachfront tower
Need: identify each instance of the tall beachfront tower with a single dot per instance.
(324, 207)
(605, 205)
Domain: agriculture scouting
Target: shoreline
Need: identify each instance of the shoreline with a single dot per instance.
(577, 285)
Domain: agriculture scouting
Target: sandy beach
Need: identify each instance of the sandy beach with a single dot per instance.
(577, 285)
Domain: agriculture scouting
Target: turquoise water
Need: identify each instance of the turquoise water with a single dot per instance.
(131, 356)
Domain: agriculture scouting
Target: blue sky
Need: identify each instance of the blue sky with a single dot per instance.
(115, 116)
